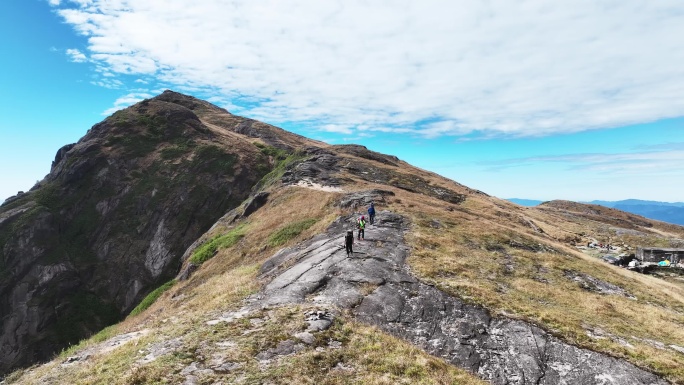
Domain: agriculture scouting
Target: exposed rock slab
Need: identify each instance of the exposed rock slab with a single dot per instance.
(589, 283)
(377, 285)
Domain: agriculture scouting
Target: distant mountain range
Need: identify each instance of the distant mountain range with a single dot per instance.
(524, 202)
(661, 211)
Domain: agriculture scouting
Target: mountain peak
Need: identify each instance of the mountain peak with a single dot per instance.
(190, 102)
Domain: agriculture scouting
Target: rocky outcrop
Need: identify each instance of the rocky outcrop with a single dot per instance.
(319, 165)
(363, 152)
(377, 286)
(61, 153)
(364, 198)
(254, 203)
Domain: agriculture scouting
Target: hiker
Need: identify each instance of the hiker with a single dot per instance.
(349, 242)
(371, 213)
(361, 224)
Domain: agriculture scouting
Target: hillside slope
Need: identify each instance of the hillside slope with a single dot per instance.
(112, 218)
(513, 300)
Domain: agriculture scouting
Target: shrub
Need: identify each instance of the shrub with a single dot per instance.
(212, 159)
(290, 231)
(277, 153)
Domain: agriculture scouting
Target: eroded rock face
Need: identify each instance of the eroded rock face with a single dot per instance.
(377, 285)
(319, 166)
(110, 222)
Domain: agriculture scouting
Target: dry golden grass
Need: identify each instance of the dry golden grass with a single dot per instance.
(218, 286)
(368, 356)
(487, 253)
(364, 355)
(484, 250)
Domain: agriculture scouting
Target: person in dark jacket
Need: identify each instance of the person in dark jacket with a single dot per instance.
(371, 213)
(349, 242)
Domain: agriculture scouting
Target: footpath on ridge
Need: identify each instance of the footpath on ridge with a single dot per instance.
(378, 287)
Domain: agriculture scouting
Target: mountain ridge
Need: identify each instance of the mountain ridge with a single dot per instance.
(671, 212)
(517, 263)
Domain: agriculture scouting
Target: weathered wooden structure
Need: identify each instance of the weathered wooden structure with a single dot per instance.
(656, 254)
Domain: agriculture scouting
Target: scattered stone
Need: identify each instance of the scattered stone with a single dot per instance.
(256, 321)
(229, 317)
(677, 348)
(226, 344)
(435, 224)
(600, 334)
(228, 367)
(305, 337)
(284, 348)
(656, 344)
(71, 359)
(334, 344)
(161, 349)
(318, 320)
(189, 369)
(342, 367)
(596, 333)
(625, 343)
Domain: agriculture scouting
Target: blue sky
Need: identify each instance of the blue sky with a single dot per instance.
(532, 99)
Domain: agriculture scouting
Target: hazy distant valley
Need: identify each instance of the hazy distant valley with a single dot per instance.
(661, 211)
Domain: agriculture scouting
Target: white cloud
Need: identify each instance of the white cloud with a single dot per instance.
(336, 129)
(434, 67)
(661, 159)
(76, 56)
(127, 100)
(54, 3)
(108, 82)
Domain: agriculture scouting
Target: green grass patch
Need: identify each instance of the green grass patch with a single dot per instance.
(281, 166)
(221, 241)
(152, 297)
(290, 231)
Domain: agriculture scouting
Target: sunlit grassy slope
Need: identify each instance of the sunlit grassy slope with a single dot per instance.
(518, 262)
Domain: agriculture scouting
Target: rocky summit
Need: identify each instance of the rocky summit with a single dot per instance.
(178, 243)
